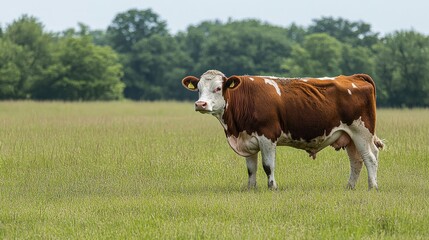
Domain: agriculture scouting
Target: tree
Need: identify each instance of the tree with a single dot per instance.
(320, 55)
(353, 33)
(12, 57)
(402, 65)
(99, 37)
(148, 52)
(192, 40)
(153, 67)
(225, 51)
(356, 60)
(296, 33)
(240, 47)
(298, 64)
(82, 71)
(27, 33)
(131, 26)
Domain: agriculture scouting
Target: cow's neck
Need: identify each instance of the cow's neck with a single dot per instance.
(235, 114)
(219, 117)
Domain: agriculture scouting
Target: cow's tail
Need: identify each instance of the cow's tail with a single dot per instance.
(378, 142)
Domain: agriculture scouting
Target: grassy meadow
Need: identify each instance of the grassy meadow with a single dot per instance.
(127, 170)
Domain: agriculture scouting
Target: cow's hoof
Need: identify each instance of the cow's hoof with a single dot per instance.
(350, 187)
(251, 186)
(272, 185)
(371, 187)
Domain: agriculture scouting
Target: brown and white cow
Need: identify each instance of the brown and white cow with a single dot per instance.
(259, 113)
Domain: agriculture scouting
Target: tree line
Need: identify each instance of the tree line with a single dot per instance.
(137, 58)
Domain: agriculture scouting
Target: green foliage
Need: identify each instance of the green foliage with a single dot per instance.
(242, 47)
(139, 170)
(296, 33)
(403, 65)
(99, 37)
(320, 55)
(30, 50)
(38, 65)
(153, 67)
(11, 58)
(356, 60)
(150, 63)
(82, 71)
(353, 33)
(152, 58)
(131, 26)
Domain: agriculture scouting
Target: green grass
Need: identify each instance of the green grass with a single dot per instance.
(124, 170)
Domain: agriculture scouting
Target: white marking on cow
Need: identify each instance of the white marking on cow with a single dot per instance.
(317, 144)
(354, 86)
(274, 84)
(219, 117)
(268, 153)
(252, 79)
(212, 74)
(350, 92)
(222, 123)
(305, 79)
(247, 145)
(252, 167)
(326, 78)
(244, 145)
(314, 145)
(209, 81)
(275, 78)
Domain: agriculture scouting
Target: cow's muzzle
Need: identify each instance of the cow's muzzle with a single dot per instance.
(201, 106)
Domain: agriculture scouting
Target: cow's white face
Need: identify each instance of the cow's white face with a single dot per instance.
(210, 91)
(211, 88)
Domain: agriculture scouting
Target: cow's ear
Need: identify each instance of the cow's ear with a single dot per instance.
(191, 83)
(232, 82)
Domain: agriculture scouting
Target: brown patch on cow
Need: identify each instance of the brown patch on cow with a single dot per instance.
(247, 109)
(305, 109)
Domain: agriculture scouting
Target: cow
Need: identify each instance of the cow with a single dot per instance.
(259, 113)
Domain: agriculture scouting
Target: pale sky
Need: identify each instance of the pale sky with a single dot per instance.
(385, 16)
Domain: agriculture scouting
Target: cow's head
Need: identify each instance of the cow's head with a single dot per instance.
(211, 86)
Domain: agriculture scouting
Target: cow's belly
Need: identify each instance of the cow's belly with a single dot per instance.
(248, 144)
(337, 138)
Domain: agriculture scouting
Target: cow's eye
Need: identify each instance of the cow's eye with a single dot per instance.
(217, 89)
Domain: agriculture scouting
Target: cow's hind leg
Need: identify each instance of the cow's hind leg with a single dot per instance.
(252, 167)
(369, 153)
(268, 152)
(356, 164)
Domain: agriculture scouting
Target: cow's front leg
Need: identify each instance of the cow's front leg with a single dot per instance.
(252, 167)
(268, 152)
